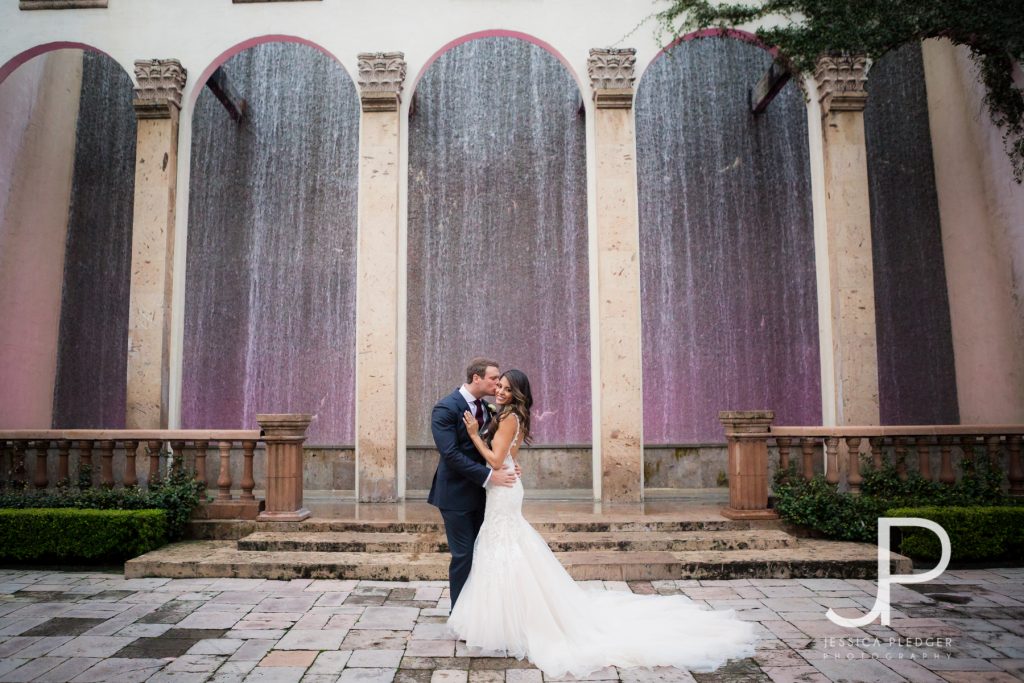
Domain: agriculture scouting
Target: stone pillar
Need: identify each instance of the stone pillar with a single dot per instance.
(842, 94)
(380, 83)
(157, 103)
(284, 436)
(747, 433)
(618, 278)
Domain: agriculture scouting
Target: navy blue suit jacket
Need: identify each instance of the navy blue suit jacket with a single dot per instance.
(461, 470)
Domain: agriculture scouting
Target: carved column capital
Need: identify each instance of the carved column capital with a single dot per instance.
(611, 73)
(842, 82)
(381, 76)
(160, 84)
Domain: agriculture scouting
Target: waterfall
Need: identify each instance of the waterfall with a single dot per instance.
(270, 284)
(497, 232)
(728, 294)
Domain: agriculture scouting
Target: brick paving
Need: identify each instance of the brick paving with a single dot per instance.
(59, 626)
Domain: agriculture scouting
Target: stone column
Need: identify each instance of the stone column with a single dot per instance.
(380, 83)
(747, 433)
(842, 94)
(157, 103)
(284, 436)
(618, 279)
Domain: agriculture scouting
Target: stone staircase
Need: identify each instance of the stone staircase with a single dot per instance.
(640, 548)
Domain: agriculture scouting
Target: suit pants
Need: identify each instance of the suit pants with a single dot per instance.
(461, 527)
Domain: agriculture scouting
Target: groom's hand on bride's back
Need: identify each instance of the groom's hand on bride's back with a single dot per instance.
(503, 477)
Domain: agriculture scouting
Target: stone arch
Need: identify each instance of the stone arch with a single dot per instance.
(244, 45)
(269, 306)
(14, 62)
(728, 285)
(498, 33)
(497, 164)
(68, 172)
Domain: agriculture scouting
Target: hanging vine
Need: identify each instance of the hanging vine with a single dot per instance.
(993, 31)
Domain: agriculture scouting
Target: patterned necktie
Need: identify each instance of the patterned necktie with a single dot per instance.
(480, 412)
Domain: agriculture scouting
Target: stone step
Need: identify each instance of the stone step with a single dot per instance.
(807, 559)
(558, 541)
(208, 529)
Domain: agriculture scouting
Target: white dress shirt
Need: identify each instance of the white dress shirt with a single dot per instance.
(471, 400)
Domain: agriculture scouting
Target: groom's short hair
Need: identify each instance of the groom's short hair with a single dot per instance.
(478, 366)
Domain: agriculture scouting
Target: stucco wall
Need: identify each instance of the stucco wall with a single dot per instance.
(982, 215)
(39, 113)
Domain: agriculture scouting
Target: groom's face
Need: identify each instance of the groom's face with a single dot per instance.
(489, 382)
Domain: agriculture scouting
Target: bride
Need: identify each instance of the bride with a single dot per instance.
(519, 600)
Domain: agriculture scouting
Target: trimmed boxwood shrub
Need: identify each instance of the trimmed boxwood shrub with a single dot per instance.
(51, 534)
(177, 495)
(975, 533)
(821, 507)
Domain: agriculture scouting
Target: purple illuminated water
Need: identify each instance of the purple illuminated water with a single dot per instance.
(270, 289)
(728, 295)
(916, 376)
(92, 349)
(497, 232)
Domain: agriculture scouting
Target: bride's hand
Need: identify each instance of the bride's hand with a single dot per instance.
(471, 424)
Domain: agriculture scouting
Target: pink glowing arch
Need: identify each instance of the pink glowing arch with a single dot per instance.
(498, 33)
(253, 42)
(14, 62)
(734, 33)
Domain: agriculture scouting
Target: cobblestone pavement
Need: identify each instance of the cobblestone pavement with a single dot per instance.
(94, 626)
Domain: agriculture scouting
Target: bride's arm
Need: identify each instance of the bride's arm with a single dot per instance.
(499, 444)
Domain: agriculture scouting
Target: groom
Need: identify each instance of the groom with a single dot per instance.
(462, 473)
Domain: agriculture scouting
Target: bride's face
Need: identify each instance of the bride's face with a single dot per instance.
(503, 392)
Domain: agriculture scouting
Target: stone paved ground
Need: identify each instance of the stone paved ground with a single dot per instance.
(85, 627)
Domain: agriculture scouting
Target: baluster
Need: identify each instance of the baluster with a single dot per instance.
(853, 470)
(224, 480)
(85, 473)
(924, 465)
(5, 463)
(153, 451)
(1016, 473)
(248, 483)
(42, 451)
(992, 447)
(966, 454)
(19, 464)
(901, 458)
(63, 456)
(832, 459)
(200, 461)
(177, 456)
(783, 443)
(946, 475)
(876, 452)
(131, 478)
(107, 464)
(807, 448)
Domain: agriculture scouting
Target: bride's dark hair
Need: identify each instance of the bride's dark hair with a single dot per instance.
(522, 401)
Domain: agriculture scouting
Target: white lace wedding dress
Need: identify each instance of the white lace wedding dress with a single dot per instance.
(519, 600)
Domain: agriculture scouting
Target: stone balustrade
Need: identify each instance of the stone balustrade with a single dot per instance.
(143, 457)
(931, 450)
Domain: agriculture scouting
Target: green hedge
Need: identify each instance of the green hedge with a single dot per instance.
(177, 495)
(818, 505)
(50, 534)
(975, 533)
